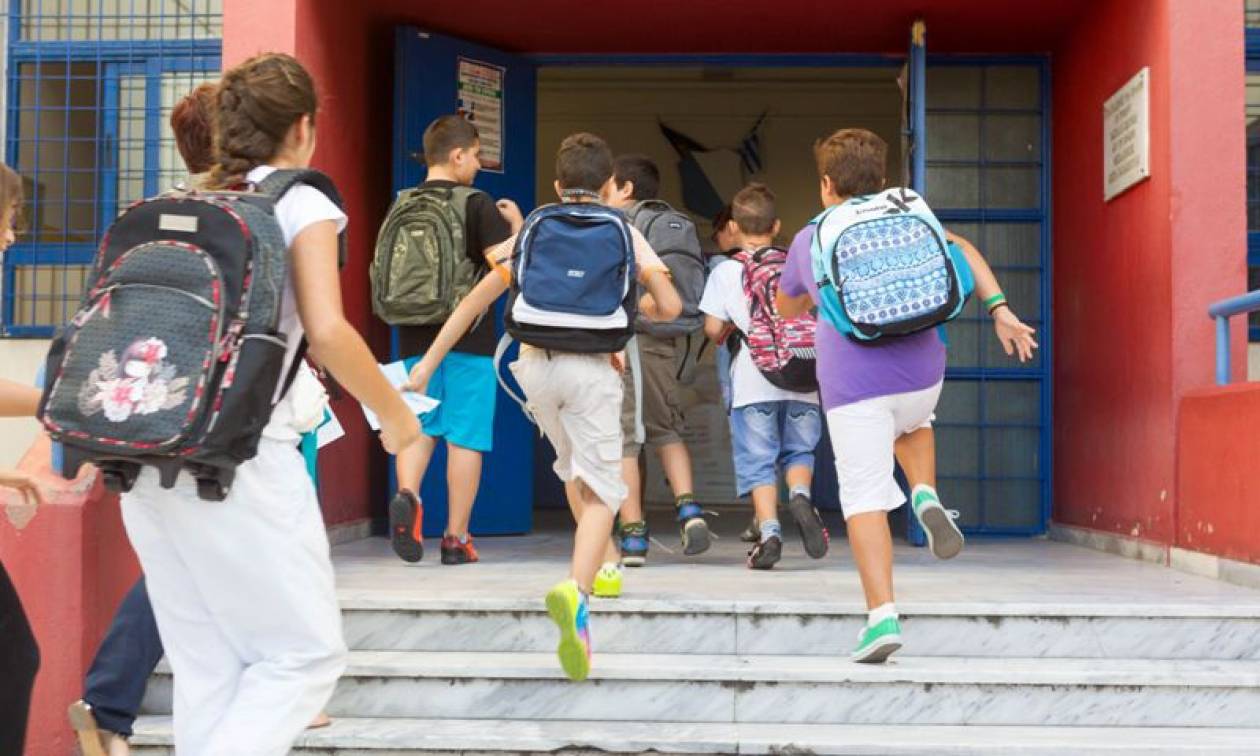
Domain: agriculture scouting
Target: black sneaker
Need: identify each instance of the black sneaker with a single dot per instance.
(752, 533)
(809, 523)
(696, 538)
(406, 520)
(765, 554)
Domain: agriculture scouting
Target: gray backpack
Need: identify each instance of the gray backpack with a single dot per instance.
(421, 270)
(673, 237)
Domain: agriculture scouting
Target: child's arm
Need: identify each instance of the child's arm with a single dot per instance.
(791, 307)
(335, 343)
(716, 329)
(661, 303)
(1016, 337)
(483, 295)
(18, 400)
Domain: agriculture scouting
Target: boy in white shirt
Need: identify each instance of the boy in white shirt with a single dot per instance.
(772, 428)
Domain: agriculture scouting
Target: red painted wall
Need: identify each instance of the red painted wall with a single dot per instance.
(1217, 449)
(71, 566)
(1133, 277)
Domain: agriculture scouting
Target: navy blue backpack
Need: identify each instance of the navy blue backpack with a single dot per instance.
(573, 280)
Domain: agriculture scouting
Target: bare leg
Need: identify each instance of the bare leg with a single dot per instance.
(800, 475)
(766, 502)
(574, 497)
(412, 462)
(591, 542)
(916, 453)
(463, 477)
(676, 462)
(632, 507)
(873, 552)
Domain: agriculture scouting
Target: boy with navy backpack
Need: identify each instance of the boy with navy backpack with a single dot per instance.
(775, 420)
(573, 272)
(879, 267)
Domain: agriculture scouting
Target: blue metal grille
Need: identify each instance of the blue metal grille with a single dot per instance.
(987, 178)
(1253, 168)
(90, 88)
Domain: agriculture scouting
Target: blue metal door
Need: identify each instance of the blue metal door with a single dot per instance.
(429, 69)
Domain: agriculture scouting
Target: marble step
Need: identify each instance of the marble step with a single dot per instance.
(795, 689)
(407, 737)
(723, 627)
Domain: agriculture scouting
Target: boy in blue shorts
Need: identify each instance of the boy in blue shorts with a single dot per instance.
(465, 383)
(880, 397)
(772, 428)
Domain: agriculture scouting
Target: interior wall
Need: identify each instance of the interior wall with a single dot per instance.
(717, 107)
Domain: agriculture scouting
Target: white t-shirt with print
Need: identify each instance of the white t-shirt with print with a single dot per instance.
(724, 299)
(300, 207)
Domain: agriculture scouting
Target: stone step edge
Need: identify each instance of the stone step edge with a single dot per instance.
(357, 602)
(787, 669)
(741, 738)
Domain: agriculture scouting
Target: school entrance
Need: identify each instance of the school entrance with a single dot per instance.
(969, 130)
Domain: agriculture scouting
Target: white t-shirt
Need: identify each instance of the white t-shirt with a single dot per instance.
(724, 299)
(300, 207)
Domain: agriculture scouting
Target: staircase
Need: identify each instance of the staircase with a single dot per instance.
(766, 675)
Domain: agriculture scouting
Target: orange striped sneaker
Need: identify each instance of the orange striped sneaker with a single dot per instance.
(406, 520)
(455, 551)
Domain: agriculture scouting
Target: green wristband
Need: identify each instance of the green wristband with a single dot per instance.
(994, 301)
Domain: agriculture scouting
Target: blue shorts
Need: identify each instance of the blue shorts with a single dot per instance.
(771, 436)
(467, 388)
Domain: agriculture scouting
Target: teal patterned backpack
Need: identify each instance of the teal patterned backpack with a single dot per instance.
(884, 268)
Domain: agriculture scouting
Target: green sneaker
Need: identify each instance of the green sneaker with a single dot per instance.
(877, 643)
(608, 582)
(944, 538)
(569, 611)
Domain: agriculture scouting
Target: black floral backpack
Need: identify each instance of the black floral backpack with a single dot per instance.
(174, 358)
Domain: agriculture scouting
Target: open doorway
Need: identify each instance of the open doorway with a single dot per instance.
(758, 123)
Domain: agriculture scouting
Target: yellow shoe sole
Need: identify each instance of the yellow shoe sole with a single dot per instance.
(562, 605)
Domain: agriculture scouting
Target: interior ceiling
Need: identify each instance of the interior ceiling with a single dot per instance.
(741, 26)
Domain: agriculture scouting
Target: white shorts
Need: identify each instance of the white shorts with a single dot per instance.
(863, 435)
(576, 401)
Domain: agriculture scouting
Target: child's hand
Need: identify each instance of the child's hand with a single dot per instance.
(20, 513)
(618, 361)
(400, 431)
(418, 380)
(1016, 338)
(511, 213)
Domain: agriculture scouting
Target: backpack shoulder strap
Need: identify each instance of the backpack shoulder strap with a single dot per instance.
(279, 182)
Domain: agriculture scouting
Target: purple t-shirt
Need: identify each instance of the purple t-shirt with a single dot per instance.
(848, 371)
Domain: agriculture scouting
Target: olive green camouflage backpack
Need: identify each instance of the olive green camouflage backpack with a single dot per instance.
(421, 270)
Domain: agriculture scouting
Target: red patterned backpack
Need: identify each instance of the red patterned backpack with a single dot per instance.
(781, 348)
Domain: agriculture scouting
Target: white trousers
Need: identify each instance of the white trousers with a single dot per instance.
(244, 599)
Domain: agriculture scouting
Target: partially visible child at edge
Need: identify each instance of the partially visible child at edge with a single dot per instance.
(115, 685)
(772, 429)
(466, 384)
(880, 397)
(576, 398)
(19, 653)
(243, 592)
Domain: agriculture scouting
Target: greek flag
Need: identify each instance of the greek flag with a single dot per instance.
(749, 148)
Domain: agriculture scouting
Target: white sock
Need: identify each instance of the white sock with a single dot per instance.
(881, 613)
(800, 491)
(612, 566)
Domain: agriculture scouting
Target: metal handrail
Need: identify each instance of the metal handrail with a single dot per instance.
(1222, 311)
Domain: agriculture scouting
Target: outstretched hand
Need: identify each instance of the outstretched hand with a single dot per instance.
(24, 483)
(1016, 337)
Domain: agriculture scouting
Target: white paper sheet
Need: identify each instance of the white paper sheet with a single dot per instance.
(396, 374)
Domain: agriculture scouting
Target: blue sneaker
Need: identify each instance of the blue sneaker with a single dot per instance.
(696, 538)
(633, 537)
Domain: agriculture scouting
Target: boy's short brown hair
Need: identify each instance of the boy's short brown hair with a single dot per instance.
(446, 133)
(753, 210)
(583, 162)
(855, 161)
(642, 171)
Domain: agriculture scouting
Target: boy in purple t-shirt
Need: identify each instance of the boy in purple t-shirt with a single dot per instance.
(880, 397)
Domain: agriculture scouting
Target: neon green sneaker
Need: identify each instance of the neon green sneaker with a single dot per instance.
(568, 609)
(608, 582)
(877, 643)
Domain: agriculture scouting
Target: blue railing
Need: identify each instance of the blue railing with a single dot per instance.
(1223, 311)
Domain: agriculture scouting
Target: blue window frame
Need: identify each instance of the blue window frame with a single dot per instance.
(90, 88)
(1253, 158)
(988, 178)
